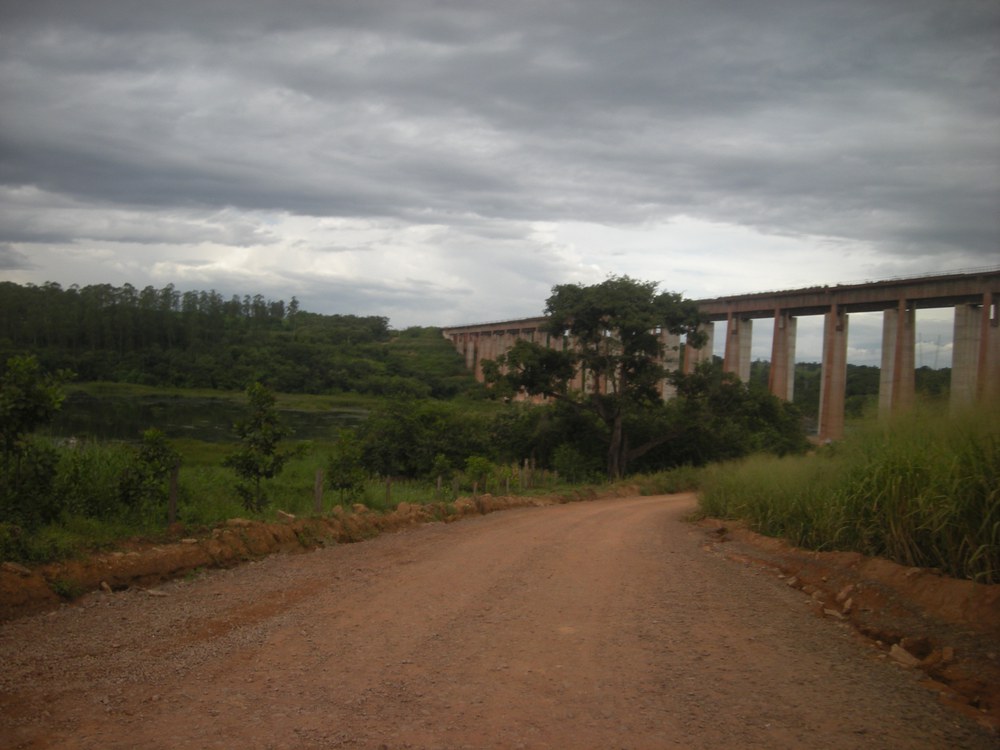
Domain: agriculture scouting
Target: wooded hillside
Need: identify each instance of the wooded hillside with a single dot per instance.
(198, 339)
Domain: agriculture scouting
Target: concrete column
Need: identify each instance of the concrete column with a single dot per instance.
(476, 351)
(781, 380)
(469, 350)
(738, 338)
(490, 349)
(486, 347)
(965, 355)
(694, 357)
(481, 343)
(833, 380)
(671, 362)
(988, 375)
(897, 379)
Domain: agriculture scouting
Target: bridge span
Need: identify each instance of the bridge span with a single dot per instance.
(975, 374)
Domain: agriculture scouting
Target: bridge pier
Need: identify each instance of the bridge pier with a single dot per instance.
(781, 379)
(671, 361)
(738, 339)
(965, 355)
(989, 349)
(833, 377)
(897, 379)
(988, 378)
(694, 357)
(468, 341)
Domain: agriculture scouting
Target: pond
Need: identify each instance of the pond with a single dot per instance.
(201, 418)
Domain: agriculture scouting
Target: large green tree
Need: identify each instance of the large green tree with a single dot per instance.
(608, 338)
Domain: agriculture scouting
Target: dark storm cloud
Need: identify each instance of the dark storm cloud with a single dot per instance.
(871, 120)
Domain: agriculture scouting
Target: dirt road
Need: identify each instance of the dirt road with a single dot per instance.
(592, 625)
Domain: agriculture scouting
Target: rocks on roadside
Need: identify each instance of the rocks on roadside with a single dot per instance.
(901, 656)
(16, 568)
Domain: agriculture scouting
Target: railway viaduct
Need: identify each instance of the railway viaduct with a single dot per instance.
(975, 375)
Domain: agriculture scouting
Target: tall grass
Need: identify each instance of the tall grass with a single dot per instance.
(922, 489)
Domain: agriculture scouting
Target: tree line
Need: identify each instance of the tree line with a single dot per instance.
(199, 339)
(420, 430)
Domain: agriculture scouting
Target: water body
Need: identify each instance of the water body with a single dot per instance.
(210, 419)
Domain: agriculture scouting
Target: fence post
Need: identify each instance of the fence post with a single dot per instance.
(318, 493)
(388, 492)
(172, 500)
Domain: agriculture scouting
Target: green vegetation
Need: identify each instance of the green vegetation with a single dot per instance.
(258, 456)
(66, 588)
(344, 472)
(615, 351)
(608, 382)
(678, 479)
(28, 399)
(861, 389)
(165, 338)
(923, 490)
(424, 430)
(421, 430)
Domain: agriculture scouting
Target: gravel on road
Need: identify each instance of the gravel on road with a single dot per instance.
(604, 624)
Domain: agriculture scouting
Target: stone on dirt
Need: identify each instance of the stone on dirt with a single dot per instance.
(13, 567)
(845, 593)
(900, 655)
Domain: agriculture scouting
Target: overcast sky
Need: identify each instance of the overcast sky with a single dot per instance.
(449, 162)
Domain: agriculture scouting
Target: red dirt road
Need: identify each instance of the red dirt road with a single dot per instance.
(603, 624)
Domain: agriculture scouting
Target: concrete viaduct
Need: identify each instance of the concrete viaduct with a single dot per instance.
(975, 374)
